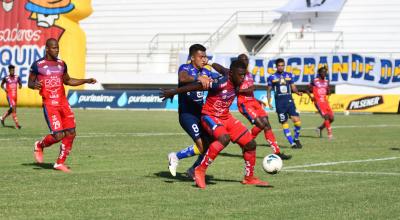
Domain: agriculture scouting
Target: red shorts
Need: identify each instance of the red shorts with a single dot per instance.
(252, 110)
(324, 108)
(12, 101)
(231, 126)
(59, 118)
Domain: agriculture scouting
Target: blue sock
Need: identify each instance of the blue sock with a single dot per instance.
(187, 152)
(296, 132)
(286, 132)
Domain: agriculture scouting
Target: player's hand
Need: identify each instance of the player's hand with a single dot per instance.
(167, 94)
(91, 81)
(37, 85)
(299, 93)
(205, 81)
(270, 106)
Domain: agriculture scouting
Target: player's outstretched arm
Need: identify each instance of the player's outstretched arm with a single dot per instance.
(77, 82)
(169, 93)
(33, 83)
(219, 68)
(295, 90)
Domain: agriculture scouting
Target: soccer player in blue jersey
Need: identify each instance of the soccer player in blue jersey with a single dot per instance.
(190, 105)
(282, 84)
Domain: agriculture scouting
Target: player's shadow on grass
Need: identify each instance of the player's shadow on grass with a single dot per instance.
(9, 126)
(395, 148)
(268, 146)
(210, 180)
(37, 166)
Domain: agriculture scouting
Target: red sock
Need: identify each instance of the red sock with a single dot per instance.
(269, 135)
(211, 154)
(249, 162)
(327, 124)
(65, 148)
(255, 131)
(48, 141)
(14, 115)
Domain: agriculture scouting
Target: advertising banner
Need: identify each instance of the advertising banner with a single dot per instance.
(25, 25)
(353, 69)
(115, 99)
(353, 103)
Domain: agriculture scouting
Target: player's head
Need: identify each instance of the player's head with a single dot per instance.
(244, 58)
(238, 70)
(322, 71)
(52, 49)
(11, 70)
(198, 57)
(280, 65)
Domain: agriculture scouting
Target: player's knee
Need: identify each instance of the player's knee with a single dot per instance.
(331, 119)
(224, 139)
(326, 117)
(259, 123)
(70, 133)
(10, 110)
(267, 125)
(13, 110)
(59, 136)
(250, 146)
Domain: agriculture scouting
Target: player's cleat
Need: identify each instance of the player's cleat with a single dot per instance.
(190, 172)
(319, 132)
(61, 167)
(173, 162)
(298, 144)
(284, 156)
(294, 146)
(38, 152)
(252, 180)
(200, 177)
(18, 126)
(2, 121)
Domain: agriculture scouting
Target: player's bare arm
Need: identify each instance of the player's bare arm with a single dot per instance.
(269, 97)
(219, 68)
(294, 89)
(308, 91)
(19, 83)
(33, 83)
(3, 81)
(77, 82)
(184, 77)
(169, 93)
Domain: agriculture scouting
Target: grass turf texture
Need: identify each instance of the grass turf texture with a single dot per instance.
(120, 172)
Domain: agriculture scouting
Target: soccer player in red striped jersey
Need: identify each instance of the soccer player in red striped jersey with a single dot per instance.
(218, 122)
(319, 88)
(48, 75)
(13, 83)
(251, 108)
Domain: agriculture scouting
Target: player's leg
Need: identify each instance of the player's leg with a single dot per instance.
(53, 120)
(191, 124)
(14, 116)
(283, 118)
(319, 129)
(240, 135)
(270, 137)
(328, 121)
(214, 127)
(68, 123)
(294, 115)
(7, 113)
(248, 112)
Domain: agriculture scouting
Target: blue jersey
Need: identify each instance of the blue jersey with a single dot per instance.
(192, 102)
(281, 84)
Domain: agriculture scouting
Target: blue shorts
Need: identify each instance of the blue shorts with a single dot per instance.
(285, 110)
(191, 124)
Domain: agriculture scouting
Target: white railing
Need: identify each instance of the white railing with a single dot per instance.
(312, 40)
(239, 17)
(180, 41)
(270, 34)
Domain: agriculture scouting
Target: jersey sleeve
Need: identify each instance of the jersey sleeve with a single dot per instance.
(183, 67)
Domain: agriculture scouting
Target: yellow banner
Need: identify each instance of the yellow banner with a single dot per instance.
(353, 103)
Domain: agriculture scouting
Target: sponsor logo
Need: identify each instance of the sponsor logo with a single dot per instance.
(144, 99)
(96, 98)
(365, 102)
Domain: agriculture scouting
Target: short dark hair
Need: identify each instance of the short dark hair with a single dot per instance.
(50, 40)
(238, 64)
(323, 68)
(11, 66)
(279, 60)
(196, 47)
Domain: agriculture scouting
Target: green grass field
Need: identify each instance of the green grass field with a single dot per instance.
(119, 164)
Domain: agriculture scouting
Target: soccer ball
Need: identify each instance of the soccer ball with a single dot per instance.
(272, 164)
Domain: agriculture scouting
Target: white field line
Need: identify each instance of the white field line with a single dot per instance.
(338, 162)
(142, 134)
(343, 172)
